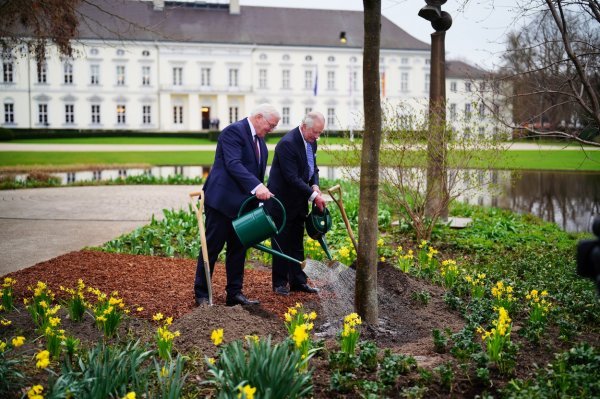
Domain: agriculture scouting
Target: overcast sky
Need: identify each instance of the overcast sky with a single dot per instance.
(477, 33)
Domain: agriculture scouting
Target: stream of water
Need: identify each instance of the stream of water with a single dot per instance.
(336, 294)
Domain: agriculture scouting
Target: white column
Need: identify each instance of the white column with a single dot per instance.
(195, 115)
(222, 111)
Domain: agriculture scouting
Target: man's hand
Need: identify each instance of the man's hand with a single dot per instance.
(316, 188)
(319, 202)
(263, 193)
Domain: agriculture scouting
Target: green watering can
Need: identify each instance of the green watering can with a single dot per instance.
(317, 224)
(255, 226)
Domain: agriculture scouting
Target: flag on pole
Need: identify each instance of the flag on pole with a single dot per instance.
(382, 83)
(316, 86)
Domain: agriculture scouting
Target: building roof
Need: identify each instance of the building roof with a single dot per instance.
(205, 23)
(462, 70)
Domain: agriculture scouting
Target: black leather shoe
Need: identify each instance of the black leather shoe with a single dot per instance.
(281, 290)
(304, 288)
(239, 299)
(201, 301)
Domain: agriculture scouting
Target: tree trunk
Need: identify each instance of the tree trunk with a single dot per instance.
(437, 191)
(366, 270)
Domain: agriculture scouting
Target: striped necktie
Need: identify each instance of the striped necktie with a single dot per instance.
(311, 160)
(256, 149)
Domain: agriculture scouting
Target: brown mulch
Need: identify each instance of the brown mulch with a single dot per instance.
(165, 285)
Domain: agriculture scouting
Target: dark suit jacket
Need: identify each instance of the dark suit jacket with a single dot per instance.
(235, 171)
(288, 178)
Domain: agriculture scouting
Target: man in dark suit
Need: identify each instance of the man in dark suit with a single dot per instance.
(294, 180)
(237, 173)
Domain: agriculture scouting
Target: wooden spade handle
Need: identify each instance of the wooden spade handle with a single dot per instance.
(202, 231)
(340, 205)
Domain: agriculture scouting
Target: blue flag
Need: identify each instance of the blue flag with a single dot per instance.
(316, 82)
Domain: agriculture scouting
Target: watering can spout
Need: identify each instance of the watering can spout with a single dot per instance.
(324, 246)
(271, 251)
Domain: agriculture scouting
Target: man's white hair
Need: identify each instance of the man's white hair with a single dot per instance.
(266, 110)
(310, 118)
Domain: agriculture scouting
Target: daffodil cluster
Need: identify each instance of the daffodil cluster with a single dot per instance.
(76, 300)
(426, 257)
(503, 295)
(40, 305)
(6, 294)
(450, 272)
(164, 338)
(350, 333)
(54, 337)
(405, 261)
(476, 284)
(498, 337)
(108, 311)
(299, 323)
(383, 250)
(296, 316)
(346, 253)
(539, 306)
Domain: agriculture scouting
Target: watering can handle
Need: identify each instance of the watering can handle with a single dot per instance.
(280, 204)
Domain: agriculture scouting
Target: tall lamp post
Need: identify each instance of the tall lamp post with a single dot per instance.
(437, 140)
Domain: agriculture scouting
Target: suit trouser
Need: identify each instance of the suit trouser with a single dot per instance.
(291, 242)
(219, 231)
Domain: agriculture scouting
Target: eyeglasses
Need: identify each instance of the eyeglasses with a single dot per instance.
(271, 125)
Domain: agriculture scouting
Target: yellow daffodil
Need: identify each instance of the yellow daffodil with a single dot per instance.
(157, 317)
(18, 341)
(35, 392)
(300, 335)
(217, 336)
(247, 392)
(43, 359)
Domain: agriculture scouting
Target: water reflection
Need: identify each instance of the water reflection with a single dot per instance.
(112, 174)
(569, 199)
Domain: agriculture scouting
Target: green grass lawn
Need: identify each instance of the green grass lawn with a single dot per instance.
(152, 140)
(533, 160)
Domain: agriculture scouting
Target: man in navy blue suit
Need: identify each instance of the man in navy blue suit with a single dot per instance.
(294, 180)
(237, 173)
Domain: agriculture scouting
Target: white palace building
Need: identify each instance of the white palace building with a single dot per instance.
(178, 66)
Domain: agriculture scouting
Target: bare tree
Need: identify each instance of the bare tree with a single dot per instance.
(553, 63)
(366, 270)
(35, 23)
(405, 172)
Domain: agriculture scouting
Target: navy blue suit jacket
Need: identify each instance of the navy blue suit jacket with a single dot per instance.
(236, 171)
(288, 178)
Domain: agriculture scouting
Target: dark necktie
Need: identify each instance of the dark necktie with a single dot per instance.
(256, 148)
(311, 160)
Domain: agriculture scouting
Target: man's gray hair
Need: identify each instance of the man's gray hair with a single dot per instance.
(310, 118)
(266, 110)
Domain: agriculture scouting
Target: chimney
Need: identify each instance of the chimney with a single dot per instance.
(159, 5)
(234, 7)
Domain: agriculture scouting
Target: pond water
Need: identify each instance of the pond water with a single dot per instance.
(569, 199)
